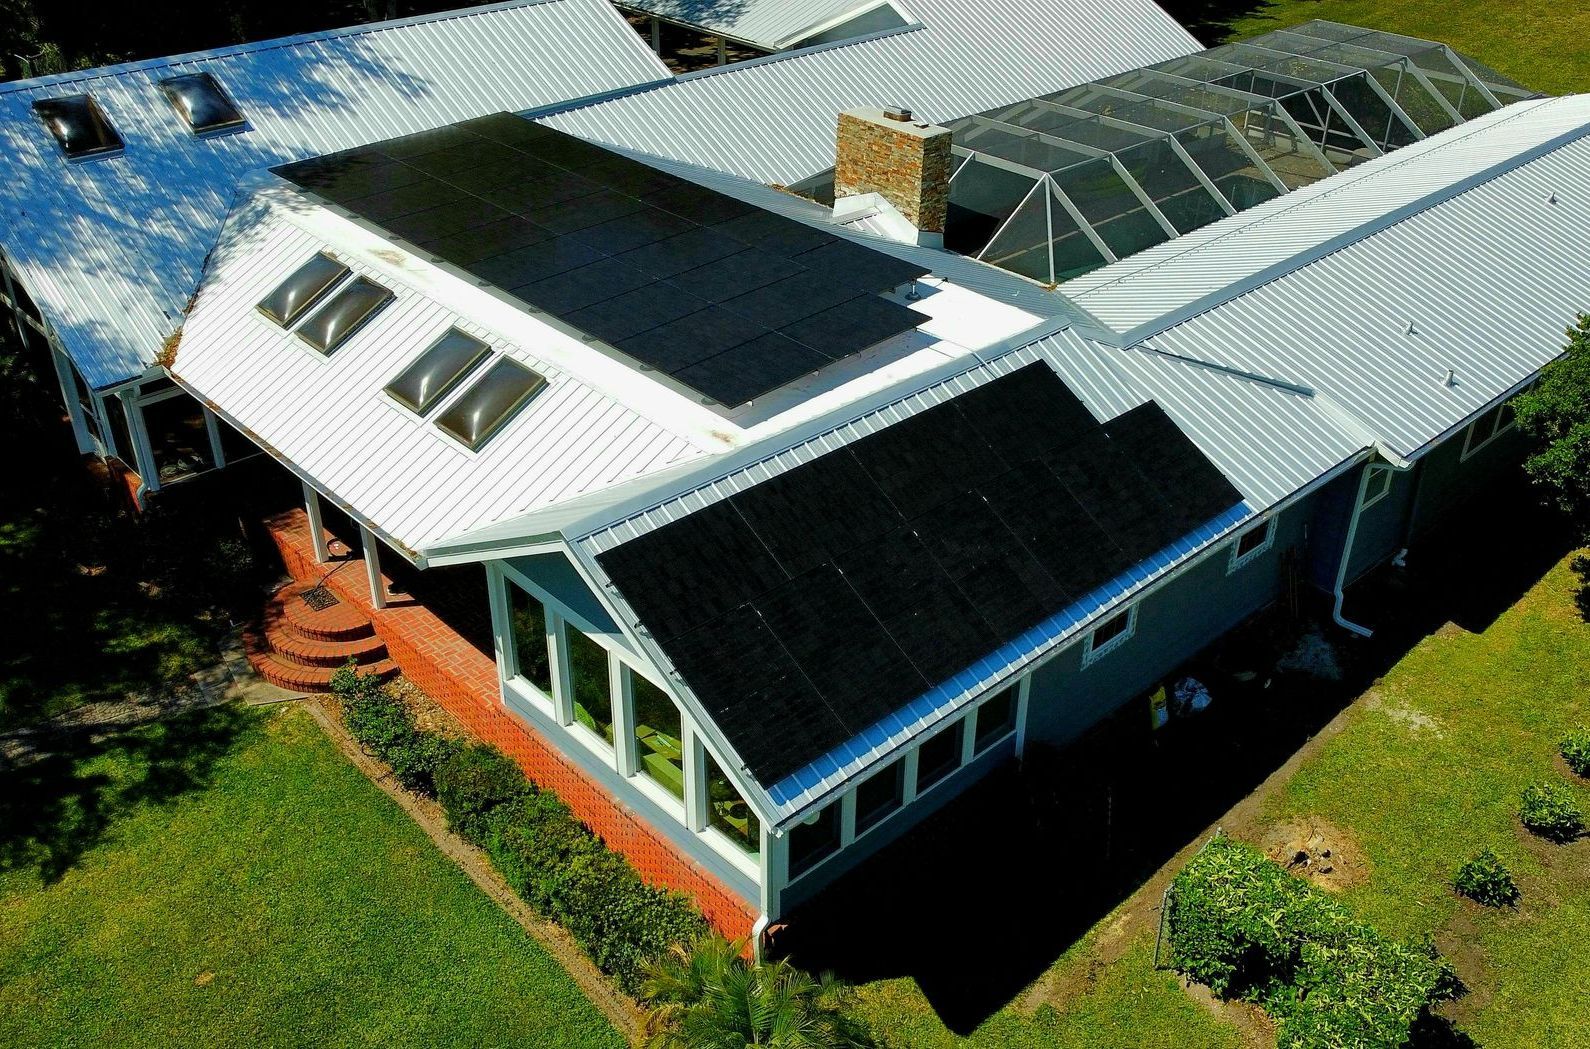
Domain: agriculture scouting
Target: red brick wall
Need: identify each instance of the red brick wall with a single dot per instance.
(464, 681)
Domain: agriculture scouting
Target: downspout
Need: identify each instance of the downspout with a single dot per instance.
(758, 936)
(1396, 465)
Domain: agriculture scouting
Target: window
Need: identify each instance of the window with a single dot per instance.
(80, 127)
(814, 840)
(528, 624)
(1488, 427)
(293, 296)
(199, 100)
(1251, 543)
(179, 436)
(1110, 635)
(879, 795)
(592, 684)
(729, 813)
(482, 409)
(436, 371)
(659, 736)
(996, 719)
(1377, 487)
(339, 318)
(939, 756)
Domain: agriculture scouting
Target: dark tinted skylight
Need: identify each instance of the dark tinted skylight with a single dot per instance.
(425, 382)
(302, 290)
(200, 101)
(486, 405)
(80, 127)
(341, 316)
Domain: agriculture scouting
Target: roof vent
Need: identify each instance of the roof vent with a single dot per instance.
(900, 113)
(80, 127)
(1451, 377)
(1552, 199)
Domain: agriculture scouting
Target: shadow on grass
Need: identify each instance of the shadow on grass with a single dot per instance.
(56, 808)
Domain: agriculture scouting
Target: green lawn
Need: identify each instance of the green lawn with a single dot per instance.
(1541, 45)
(229, 879)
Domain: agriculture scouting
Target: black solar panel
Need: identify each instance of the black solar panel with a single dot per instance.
(809, 606)
(600, 240)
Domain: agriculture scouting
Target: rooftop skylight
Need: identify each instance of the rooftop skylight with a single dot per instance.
(199, 100)
(1065, 183)
(332, 324)
(295, 295)
(436, 371)
(80, 127)
(481, 410)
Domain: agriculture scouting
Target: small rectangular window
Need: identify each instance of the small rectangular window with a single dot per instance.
(1377, 487)
(483, 408)
(332, 324)
(1110, 635)
(293, 297)
(814, 840)
(80, 127)
(939, 756)
(996, 719)
(436, 371)
(879, 795)
(199, 100)
(1251, 543)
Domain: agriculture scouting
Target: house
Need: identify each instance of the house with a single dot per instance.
(791, 515)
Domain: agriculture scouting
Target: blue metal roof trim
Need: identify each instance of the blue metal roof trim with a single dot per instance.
(800, 787)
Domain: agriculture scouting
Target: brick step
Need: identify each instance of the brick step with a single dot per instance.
(295, 677)
(340, 622)
(286, 641)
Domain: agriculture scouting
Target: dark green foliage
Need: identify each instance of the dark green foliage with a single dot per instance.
(385, 727)
(1576, 751)
(472, 784)
(1239, 923)
(566, 873)
(709, 995)
(1550, 811)
(1484, 879)
(1556, 416)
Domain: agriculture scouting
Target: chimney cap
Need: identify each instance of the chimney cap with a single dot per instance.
(901, 113)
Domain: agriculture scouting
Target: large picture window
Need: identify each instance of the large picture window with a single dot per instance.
(659, 736)
(813, 841)
(529, 628)
(592, 684)
(939, 756)
(879, 796)
(729, 813)
(996, 719)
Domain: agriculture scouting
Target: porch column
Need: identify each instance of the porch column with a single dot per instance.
(656, 34)
(372, 566)
(74, 411)
(317, 527)
(695, 756)
(723, 50)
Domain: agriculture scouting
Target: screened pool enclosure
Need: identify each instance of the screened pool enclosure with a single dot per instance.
(1062, 184)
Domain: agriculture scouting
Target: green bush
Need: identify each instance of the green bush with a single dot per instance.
(1550, 811)
(1576, 751)
(1484, 879)
(1241, 924)
(382, 725)
(472, 784)
(566, 873)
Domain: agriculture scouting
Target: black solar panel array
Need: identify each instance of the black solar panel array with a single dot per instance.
(727, 299)
(807, 608)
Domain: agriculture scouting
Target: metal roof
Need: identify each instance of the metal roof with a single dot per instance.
(112, 248)
(772, 120)
(771, 25)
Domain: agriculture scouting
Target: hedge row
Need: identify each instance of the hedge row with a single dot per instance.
(1241, 924)
(551, 859)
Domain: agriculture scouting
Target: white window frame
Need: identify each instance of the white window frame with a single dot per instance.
(1092, 653)
(141, 433)
(1239, 559)
(1377, 487)
(1495, 429)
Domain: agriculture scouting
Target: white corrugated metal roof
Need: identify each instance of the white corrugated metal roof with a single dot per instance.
(111, 249)
(331, 420)
(768, 24)
(773, 120)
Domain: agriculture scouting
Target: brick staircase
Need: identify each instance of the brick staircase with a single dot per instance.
(298, 647)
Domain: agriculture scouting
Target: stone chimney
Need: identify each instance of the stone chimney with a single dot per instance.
(903, 160)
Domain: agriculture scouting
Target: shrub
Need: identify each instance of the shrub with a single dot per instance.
(1484, 879)
(1550, 811)
(472, 784)
(382, 725)
(1576, 751)
(1239, 923)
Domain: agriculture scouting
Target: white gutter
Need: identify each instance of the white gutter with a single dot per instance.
(1338, 593)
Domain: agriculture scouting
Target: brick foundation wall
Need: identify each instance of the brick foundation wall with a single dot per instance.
(905, 162)
(464, 682)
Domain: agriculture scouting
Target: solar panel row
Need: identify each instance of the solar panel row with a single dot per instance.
(807, 608)
(726, 299)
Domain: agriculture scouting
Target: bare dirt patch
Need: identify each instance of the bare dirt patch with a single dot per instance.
(1317, 851)
(1252, 1023)
(1412, 718)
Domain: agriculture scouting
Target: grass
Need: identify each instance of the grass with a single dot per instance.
(1539, 45)
(226, 878)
